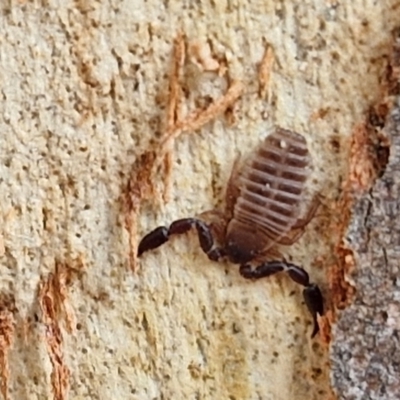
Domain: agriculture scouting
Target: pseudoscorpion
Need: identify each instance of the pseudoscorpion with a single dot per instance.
(262, 210)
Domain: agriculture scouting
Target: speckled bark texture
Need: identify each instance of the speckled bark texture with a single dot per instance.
(365, 351)
(86, 92)
(366, 357)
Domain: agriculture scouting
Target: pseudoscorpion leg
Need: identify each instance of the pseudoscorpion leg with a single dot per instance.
(311, 293)
(161, 235)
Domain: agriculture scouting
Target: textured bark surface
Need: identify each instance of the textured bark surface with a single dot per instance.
(365, 351)
(86, 91)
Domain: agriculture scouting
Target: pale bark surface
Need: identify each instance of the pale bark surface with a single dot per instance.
(84, 90)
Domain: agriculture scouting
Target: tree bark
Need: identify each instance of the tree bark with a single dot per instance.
(365, 356)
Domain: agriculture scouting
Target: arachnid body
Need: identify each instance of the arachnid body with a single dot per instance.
(263, 202)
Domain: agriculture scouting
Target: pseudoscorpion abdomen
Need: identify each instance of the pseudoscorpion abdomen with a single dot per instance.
(272, 184)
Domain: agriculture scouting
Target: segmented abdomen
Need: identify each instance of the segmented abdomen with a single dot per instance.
(271, 186)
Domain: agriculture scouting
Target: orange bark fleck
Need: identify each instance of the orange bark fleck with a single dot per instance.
(7, 331)
(157, 162)
(264, 71)
(53, 300)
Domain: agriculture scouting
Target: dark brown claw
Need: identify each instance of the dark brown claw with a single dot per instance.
(161, 235)
(312, 295)
(296, 273)
(315, 304)
(262, 271)
(153, 240)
